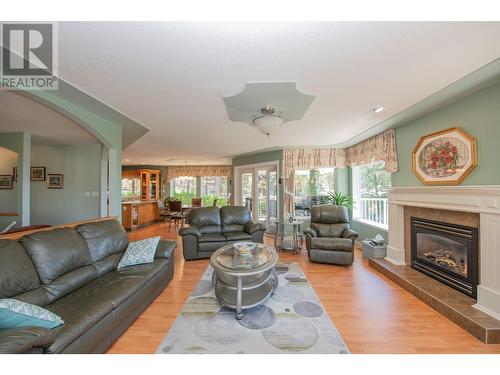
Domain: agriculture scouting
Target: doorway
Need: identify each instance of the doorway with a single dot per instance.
(256, 187)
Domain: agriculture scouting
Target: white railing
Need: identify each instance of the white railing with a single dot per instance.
(374, 210)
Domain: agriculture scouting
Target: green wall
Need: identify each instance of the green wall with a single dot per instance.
(106, 130)
(261, 157)
(478, 114)
(79, 199)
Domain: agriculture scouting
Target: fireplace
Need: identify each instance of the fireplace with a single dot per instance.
(446, 252)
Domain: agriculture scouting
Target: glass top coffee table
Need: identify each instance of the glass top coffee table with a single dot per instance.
(244, 279)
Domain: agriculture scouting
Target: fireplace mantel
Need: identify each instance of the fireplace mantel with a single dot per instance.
(484, 200)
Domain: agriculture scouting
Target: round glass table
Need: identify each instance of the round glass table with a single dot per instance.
(243, 281)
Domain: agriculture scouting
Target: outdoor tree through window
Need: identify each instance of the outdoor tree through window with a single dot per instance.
(370, 184)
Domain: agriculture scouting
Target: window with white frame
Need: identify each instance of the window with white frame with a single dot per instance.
(312, 187)
(184, 189)
(369, 189)
(213, 188)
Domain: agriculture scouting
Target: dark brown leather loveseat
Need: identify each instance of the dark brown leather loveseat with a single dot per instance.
(72, 272)
(213, 227)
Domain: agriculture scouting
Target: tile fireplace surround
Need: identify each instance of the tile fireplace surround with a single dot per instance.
(484, 201)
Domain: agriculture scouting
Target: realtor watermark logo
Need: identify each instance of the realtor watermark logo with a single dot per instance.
(29, 58)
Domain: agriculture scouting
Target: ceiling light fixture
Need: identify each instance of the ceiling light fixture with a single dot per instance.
(377, 109)
(127, 160)
(268, 123)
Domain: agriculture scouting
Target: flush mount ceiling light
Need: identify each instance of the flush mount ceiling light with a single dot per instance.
(246, 106)
(377, 109)
(268, 123)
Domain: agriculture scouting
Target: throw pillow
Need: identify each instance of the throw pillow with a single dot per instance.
(139, 252)
(14, 313)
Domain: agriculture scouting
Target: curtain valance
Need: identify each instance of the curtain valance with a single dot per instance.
(199, 171)
(379, 147)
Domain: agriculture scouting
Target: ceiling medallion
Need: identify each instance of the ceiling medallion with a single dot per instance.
(257, 105)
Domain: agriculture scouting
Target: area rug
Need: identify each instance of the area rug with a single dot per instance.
(291, 321)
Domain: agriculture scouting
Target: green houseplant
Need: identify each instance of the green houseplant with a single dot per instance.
(341, 199)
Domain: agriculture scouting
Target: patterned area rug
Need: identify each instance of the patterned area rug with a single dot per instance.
(291, 321)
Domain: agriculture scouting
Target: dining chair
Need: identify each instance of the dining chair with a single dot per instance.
(163, 212)
(176, 213)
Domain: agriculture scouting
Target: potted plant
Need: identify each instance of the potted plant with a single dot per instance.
(341, 199)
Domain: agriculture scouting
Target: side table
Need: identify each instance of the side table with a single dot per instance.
(288, 236)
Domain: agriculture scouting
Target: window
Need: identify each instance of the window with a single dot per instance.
(246, 189)
(184, 189)
(131, 188)
(312, 187)
(214, 188)
(369, 186)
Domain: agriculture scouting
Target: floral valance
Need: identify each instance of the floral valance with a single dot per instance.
(299, 158)
(379, 147)
(199, 171)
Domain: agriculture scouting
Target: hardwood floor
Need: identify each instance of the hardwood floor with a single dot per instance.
(373, 314)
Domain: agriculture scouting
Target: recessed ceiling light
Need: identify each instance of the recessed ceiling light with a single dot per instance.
(143, 163)
(127, 159)
(377, 109)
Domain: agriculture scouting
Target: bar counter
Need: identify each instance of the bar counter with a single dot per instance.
(139, 213)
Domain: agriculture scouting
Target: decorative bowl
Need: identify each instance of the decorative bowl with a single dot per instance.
(244, 248)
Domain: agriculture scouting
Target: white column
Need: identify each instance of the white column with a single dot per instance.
(114, 184)
(24, 176)
(104, 182)
(396, 247)
(488, 290)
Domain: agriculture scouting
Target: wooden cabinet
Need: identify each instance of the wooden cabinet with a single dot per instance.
(136, 214)
(142, 208)
(150, 184)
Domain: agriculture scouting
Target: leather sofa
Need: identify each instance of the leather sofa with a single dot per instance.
(330, 238)
(72, 272)
(212, 227)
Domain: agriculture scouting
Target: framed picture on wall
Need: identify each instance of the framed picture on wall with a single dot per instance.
(5, 181)
(55, 181)
(446, 157)
(14, 173)
(37, 173)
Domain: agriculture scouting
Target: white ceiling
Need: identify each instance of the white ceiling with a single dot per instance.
(171, 77)
(21, 114)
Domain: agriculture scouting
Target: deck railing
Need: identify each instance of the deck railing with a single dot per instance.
(374, 210)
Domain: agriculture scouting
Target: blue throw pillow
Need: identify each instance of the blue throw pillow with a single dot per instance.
(139, 252)
(14, 313)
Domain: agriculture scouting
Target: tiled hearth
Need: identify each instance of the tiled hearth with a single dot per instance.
(473, 206)
(451, 303)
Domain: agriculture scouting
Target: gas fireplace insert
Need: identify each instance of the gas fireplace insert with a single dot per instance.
(446, 252)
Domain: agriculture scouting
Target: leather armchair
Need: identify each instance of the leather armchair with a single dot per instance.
(211, 228)
(330, 238)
